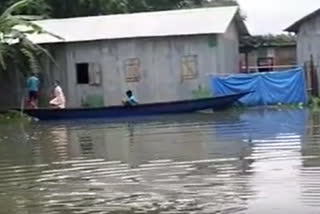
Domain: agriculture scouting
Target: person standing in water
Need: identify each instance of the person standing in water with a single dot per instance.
(131, 100)
(59, 100)
(33, 84)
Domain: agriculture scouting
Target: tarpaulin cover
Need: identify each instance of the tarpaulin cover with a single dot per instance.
(285, 87)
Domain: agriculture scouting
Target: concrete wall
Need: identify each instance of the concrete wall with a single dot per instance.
(228, 51)
(308, 44)
(160, 66)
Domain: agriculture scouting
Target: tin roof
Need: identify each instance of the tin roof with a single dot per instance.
(295, 26)
(148, 24)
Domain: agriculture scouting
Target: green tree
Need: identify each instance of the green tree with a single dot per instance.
(253, 42)
(63, 8)
(219, 3)
(75, 8)
(14, 44)
(35, 7)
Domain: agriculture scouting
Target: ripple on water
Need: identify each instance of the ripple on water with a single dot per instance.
(189, 164)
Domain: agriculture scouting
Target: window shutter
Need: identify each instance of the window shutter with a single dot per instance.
(189, 67)
(132, 70)
(95, 74)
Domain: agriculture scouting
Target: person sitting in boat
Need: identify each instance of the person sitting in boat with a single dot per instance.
(59, 100)
(130, 100)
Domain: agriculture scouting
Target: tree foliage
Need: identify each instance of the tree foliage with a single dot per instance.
(14, 44)
(253, 42)
(75, 8)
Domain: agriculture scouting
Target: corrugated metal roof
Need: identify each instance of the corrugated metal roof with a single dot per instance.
(149, 24)
(295, 26)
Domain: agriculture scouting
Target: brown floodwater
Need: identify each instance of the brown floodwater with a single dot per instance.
(257, 161)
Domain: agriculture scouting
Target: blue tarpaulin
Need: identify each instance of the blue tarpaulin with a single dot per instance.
(286, 87)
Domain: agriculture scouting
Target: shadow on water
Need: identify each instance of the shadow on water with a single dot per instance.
(258, 161)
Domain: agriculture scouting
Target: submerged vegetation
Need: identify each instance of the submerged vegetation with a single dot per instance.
(13, 117)
(315, 104)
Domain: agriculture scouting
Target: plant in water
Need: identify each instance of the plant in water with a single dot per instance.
(201, 93)
(14, 116)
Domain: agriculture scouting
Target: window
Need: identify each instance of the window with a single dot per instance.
(189, 67)
(89, 73)
(212, 40)
(82, 73)
(132, 70)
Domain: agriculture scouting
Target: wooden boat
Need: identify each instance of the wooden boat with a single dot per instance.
(177, 107)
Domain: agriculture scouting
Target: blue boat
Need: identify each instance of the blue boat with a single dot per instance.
(177, 107)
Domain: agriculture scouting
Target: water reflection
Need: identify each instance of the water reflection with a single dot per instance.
(310, 170)
(260, 161)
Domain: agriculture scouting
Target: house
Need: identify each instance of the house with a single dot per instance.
(161, 56)
(308, 41)
(277, 56)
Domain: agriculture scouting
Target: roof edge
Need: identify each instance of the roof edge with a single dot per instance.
(233, 16)
(125, 38)
(158, 12)
(240, 21)
(295, 26)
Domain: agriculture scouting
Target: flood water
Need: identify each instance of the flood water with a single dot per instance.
(258, 161)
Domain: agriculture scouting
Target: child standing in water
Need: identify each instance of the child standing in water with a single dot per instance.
(131, 100)
(33, 90)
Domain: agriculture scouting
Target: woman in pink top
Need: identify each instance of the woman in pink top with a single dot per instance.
(59, 100)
